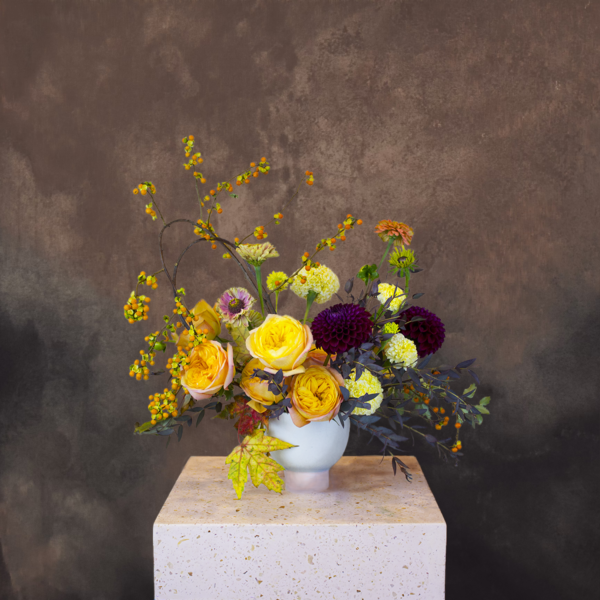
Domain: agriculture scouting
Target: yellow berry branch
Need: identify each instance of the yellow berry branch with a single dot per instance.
(307, 258)
(259, 231)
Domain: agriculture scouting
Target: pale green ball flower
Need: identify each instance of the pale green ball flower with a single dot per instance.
(391, 328)
(386, 291)
(367, 384)
(401, 351)
(321, 280)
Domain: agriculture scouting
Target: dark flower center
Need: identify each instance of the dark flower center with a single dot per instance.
(235, 306)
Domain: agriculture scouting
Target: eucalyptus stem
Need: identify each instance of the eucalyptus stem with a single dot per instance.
(260, 290)
(387, 249)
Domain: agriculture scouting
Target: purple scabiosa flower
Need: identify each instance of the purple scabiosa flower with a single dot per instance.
(428, 334)
(234, 305)
(341, 327)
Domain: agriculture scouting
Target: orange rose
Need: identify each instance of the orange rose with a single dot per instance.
(211, 368)
(315, 395)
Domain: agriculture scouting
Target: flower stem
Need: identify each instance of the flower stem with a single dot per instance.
(260, 290)
(309, 300)
(276, 300)
(387, 249)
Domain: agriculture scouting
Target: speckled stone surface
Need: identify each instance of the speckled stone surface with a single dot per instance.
(370, 536)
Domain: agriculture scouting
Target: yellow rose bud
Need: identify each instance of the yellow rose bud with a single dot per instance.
(206, 320)
(281, 342)
(211, 368)
(315, 395)
(257, 389)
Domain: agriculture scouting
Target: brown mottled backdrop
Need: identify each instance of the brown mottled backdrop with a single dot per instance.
(476, 121)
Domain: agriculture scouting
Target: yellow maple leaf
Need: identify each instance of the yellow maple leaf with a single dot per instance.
(251, 455)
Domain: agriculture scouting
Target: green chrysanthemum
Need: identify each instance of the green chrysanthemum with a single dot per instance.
(391, 328)
(277, 280)
(402, 261)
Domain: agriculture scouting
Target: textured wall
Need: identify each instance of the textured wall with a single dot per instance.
(476, 121)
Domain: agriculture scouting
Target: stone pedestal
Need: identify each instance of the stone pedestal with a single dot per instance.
(371, 536)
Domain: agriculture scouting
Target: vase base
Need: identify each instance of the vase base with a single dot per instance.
(300, 481)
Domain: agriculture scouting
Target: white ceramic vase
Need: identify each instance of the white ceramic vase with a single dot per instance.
(318, 447)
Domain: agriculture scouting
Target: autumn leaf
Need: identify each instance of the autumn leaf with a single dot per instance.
(251, 455)
(248, 419)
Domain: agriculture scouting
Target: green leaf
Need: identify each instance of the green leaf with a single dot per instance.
(144, 427)
(484, 401)
(240, 352)
(483, 410)
(368, 272)
(200, 417)
(470, 391)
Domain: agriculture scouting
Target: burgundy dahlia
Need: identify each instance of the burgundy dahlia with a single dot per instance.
(341, 327)
(428, 335)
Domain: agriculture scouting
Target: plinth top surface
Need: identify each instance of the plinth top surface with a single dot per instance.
(363, 490)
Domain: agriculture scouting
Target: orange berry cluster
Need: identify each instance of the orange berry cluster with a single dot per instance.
(458, 444)
(278, 217)
(150, 211)
(135, 309)
(309, 178)
(348, 223)
(417, 397)
(139, 369)
(195, 159)
(162, 406)
(205, 230)
(149, 280)
(145, 187)
(180, 362)
(260, 233)
(262, 167)
(308, 264)
(180, 309)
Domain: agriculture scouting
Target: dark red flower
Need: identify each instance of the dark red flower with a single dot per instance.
(428, 335)
(341, 327)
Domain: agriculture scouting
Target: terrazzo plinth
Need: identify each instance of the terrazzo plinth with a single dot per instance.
(371, 536)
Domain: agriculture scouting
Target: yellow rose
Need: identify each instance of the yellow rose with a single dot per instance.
(315, 395)
(280, 342)
(206, 321)
(211, 368)
(257, 389)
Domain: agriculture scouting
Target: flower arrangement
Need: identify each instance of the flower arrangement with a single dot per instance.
(363, 360)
